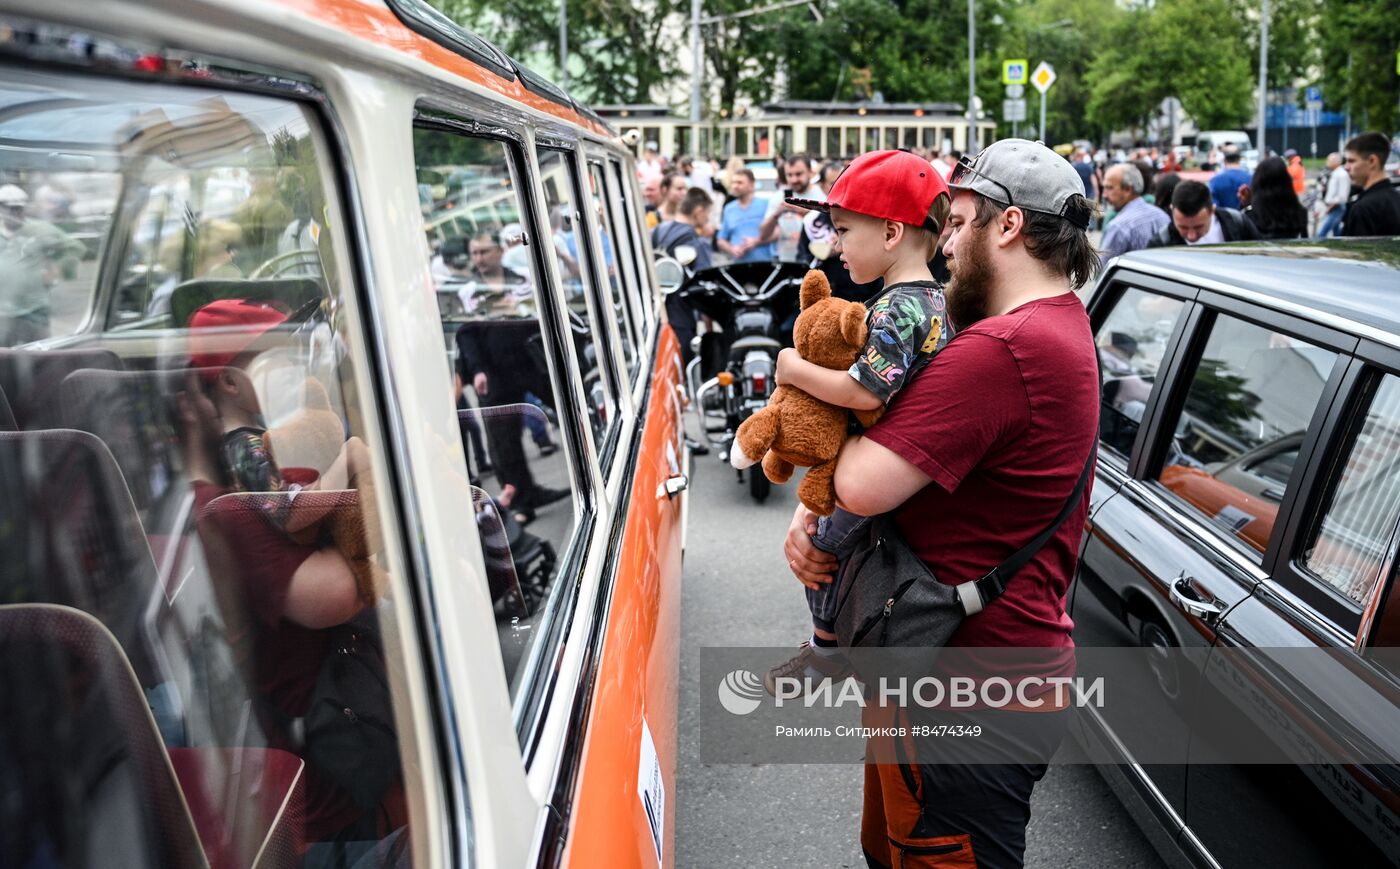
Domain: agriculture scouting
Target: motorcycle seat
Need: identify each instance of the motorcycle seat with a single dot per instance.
(754, 342)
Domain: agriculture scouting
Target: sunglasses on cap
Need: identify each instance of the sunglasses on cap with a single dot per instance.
(1078, 215)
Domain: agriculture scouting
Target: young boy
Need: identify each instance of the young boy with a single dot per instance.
(888, 209)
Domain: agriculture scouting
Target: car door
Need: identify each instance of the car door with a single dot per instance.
(1305, 667)
(1139, 326)
(1190, 533)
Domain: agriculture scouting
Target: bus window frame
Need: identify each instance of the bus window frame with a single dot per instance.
(599, 158)
(609, 354)
(629, 199)
(539, 671)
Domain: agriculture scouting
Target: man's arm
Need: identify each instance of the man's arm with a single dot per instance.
(872, 479)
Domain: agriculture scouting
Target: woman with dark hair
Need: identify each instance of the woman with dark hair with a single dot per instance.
(1162, 191)
(1270, 203)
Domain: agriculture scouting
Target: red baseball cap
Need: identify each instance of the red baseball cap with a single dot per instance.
(890, 185)
(239, 322)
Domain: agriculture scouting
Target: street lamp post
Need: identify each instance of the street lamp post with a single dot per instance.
(1264, 76)
(972, 142)
(564, 44)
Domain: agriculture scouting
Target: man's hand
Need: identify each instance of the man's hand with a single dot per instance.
(1246, 195)
(479, 383)
(812, 567)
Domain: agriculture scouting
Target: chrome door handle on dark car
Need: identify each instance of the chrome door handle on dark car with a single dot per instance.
(1196, 601)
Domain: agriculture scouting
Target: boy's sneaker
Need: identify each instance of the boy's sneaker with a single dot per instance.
(809, 666)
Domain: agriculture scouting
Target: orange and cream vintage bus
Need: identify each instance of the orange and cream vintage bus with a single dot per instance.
(342, 500)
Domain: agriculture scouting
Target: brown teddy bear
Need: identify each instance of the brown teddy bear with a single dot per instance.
(795, 428)
(314, 439)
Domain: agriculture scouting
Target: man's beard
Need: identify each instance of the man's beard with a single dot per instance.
(971, 278)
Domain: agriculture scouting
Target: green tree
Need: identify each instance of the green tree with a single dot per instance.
(613, 55)
(1156, 52)
(1068, 34)
(1359, 39)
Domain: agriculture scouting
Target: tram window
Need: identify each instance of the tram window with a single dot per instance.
(948, 139)
(762, 145)
(192, 529)
(522, 496)
(891, 138)
(851, 145)
(704, 140)
(783, 140)
(833, 142)
(652, 136)
(615, 273)
(911, 137)
(872, 138)
(814, 139)
(585, 326)
(727, 136)
(683, 140)
(930, 139)
(741, 141)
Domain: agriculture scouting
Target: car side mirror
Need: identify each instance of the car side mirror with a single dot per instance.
(670, 274)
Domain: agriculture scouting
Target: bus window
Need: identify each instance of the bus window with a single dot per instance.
(615, 273)
(628, 205)
(814, 139)
(585, 325)
(522, 498)
(193, 543)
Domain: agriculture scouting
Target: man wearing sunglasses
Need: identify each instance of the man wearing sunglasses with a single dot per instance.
(974, 459)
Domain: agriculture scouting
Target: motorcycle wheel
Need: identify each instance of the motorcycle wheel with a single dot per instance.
(759, 486)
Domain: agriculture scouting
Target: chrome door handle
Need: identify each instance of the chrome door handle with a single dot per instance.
(673, 486)
(1187, 596)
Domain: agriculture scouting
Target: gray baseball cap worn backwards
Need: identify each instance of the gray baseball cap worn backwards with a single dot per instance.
(1027, 175)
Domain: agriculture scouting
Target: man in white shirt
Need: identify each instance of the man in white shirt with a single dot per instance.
(650, 165)
(1334, 200)
(801, 183)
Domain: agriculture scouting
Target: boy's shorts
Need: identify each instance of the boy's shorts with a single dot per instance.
(836, 534)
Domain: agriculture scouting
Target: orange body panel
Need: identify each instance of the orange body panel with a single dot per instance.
(638, 670)
(381, 26)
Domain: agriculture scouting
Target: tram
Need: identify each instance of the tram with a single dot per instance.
(827, 130)
(285, 584)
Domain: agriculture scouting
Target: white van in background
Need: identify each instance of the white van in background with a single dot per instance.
(1208, 139)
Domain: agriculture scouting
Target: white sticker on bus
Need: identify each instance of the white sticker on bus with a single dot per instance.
(652, 790)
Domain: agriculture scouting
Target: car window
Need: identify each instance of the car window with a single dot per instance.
(1347, 546)
(617, 273)
(197, 598)
(1131, 343)
(523, 497)
(557, 175)
(1248, 405)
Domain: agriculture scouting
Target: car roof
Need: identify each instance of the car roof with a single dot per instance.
(1354, 280)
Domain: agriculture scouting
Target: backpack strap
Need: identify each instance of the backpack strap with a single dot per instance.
(976, 594)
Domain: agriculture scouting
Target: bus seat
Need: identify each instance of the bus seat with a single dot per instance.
(126, 409)
(294, 293)
(95, 785)
(248, 804)
(72, 537)
(30, 380)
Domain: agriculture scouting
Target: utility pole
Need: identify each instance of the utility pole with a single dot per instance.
(697, 68)
(564, 44)
(972, 142)
(1263, 78)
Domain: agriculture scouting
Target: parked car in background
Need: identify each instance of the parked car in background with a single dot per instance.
(1247, 507)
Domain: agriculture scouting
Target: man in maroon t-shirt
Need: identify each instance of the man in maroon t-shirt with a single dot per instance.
(976, 458)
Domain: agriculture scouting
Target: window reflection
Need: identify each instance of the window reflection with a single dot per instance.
(1248, 407)
(522, 495)
(1131, 344)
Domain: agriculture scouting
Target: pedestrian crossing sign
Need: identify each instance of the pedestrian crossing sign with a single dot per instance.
(1014, 71)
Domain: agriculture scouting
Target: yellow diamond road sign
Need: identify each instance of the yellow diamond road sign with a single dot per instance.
(1043, 77)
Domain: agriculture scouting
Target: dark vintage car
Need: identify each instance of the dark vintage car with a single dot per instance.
(1245, 509)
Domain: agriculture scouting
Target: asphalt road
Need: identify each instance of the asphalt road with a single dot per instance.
(738, 592)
